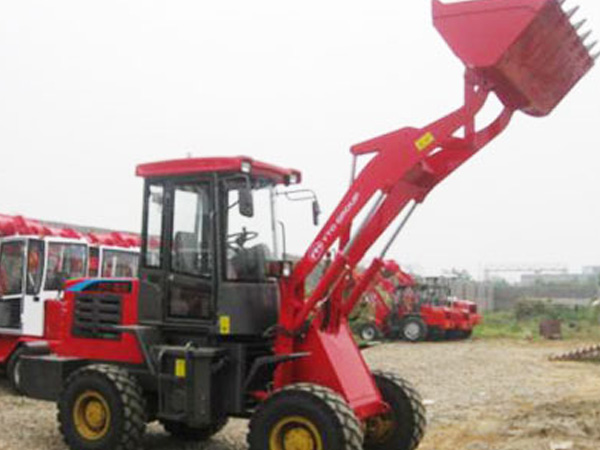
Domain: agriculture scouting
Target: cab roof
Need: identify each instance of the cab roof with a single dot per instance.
(241, 164)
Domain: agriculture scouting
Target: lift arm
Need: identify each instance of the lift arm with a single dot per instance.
(511, 57)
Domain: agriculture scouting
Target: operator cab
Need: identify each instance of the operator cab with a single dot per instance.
(32, 271)
(113, 262)
(208, 236)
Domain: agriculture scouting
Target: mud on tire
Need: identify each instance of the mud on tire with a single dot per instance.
(316, 412)
(114, 417)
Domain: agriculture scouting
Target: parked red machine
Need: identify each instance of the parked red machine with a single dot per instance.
(418, 310)
(206, 333)
(463, 313)
(35, 258)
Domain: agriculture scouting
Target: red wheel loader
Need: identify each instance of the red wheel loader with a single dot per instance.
(34, 260)
(416, 312)
(216, 328)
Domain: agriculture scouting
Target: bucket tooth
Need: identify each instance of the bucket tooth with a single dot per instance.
(579, 24)
(595, 57)
(561, 2)
(570, 13)
(591, 46)
(585, 35)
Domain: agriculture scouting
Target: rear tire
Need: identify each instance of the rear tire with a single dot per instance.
(368, 332)
(102, 407)
(404, 426)
(305, 416)
(414, 329)
(184, 432)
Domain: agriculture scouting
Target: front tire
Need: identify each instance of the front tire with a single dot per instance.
(305, 416)
(102, 407)
(368, 332)
(414, 329)
(404, 426)
(13, 373)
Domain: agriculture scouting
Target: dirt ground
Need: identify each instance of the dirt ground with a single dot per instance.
(481, 395)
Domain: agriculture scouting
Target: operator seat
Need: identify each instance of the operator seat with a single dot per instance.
(250, 264)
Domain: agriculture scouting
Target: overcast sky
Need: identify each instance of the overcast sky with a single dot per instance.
(90, 89)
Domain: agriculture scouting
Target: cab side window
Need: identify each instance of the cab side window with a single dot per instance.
(35, 266)
(191, 231)
(12, 264)
(155, 200)
(94, 262)
(191, 244)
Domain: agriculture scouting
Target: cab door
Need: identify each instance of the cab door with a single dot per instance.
(32, 317)
(177, 260)
(12, 277)
(190, 280)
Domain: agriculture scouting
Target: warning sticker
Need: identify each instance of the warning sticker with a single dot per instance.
(225, 324)
(424, 141)
(180, 368)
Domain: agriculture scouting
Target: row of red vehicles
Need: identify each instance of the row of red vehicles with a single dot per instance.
(35, 260)
(416, 310)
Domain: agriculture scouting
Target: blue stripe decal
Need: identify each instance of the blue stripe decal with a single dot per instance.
(86, 283)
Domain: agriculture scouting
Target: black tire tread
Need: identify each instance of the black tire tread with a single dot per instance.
(10, 369)
(132, 398)
(416, 402)
(353, 432)
(369, 325)
(422, 324)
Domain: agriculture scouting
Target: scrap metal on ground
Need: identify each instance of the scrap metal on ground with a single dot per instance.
(588, 353)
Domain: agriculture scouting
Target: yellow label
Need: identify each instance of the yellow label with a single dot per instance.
(180, 368)
(225, 324)
(425, 141)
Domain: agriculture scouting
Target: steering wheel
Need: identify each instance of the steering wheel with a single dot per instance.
(236, 241)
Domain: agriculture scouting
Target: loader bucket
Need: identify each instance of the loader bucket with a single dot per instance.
(527, 50)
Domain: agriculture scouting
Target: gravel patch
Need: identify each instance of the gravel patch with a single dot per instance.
(480, 395)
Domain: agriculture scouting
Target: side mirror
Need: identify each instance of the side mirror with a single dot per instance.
(246, 202)
(316, 212)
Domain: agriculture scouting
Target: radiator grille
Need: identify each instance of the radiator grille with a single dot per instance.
(96, 316)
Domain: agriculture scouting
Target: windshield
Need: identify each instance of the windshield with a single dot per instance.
(250, 243)
(65, 260)
(119, 263)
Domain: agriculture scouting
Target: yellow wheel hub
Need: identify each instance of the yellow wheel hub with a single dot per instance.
(295, 433)
(91, 415)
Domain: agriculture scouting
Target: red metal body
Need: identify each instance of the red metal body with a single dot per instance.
(20, 226)
(204, 165)
(65, 343)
